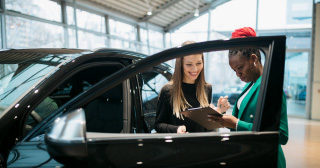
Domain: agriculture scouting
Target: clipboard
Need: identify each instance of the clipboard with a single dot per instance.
(200, 116)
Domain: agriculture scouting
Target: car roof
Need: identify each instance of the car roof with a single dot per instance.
(24, 55)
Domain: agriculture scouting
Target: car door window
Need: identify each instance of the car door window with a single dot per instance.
(74, 85)
(153, 81)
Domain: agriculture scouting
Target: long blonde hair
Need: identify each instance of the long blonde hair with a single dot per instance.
(177, 98)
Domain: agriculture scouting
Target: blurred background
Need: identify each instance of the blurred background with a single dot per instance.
(95, 23)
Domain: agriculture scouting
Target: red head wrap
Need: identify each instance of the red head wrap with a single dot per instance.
(244, 32)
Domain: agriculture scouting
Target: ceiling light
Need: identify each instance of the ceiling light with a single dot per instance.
(196, 12)
(149, 8)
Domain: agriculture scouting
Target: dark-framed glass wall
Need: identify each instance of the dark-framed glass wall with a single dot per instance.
(292, 18)
(296, 82)
(68, 24)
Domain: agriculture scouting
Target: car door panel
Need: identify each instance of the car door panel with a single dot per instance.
(191, 150)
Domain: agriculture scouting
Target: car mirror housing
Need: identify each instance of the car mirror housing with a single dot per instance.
(66, 139)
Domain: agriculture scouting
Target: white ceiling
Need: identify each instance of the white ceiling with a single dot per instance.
(167, 14)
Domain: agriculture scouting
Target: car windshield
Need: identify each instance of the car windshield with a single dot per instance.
(17, 77)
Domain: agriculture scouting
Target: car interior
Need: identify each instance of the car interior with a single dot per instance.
(105, 113)
(106, 110)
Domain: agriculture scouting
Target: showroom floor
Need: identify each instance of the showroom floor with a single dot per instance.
(304, 143)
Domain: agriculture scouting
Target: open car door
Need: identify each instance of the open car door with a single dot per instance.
(69, 142)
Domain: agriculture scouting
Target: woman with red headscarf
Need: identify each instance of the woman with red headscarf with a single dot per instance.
(247, 65)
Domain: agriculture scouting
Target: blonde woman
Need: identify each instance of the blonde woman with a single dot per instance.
(187, 89)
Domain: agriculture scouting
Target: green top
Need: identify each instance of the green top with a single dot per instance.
(246, 115)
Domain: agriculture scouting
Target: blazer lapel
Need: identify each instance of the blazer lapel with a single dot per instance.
(235, 111)
(248, 96)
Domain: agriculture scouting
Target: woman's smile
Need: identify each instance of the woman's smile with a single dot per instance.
(194, 73)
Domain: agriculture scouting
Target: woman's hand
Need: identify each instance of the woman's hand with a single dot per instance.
(212, 106)
(182, 129)
(223, 104)
(226, 120)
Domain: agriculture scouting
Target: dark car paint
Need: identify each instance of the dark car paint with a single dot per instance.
(200, 150)
(135, 68)
(46, 85)
(31, 154)
(13, 121)
(182, 152)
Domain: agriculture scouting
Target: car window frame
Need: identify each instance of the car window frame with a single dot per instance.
(275, 45)
(53, 86)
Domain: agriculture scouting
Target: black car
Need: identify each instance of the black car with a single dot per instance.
(37, 82)
(100, 108)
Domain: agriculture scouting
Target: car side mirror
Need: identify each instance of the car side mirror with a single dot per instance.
(66, 139)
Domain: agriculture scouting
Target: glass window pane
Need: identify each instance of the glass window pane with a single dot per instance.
(91, 21)
(72, 38)
(180, 37)
(191, 31)
(193, 26)
(40, 8)
(144, 49)
(295, 82)
(91, 41)
(168, 40)
(299, 13)
(143, 36)
(151, 88)
(123, 44)
(70, 15)
(122, 30)
(155, 39)
(134, 46)
(298, 42)
(16, 79)
(217, 36)
(23, 33)
(234, 14)
(152, 84)
(285, 15)
(272, 20)
(116, 43)
(216, 64)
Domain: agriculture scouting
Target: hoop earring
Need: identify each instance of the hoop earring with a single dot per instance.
(254, 63)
